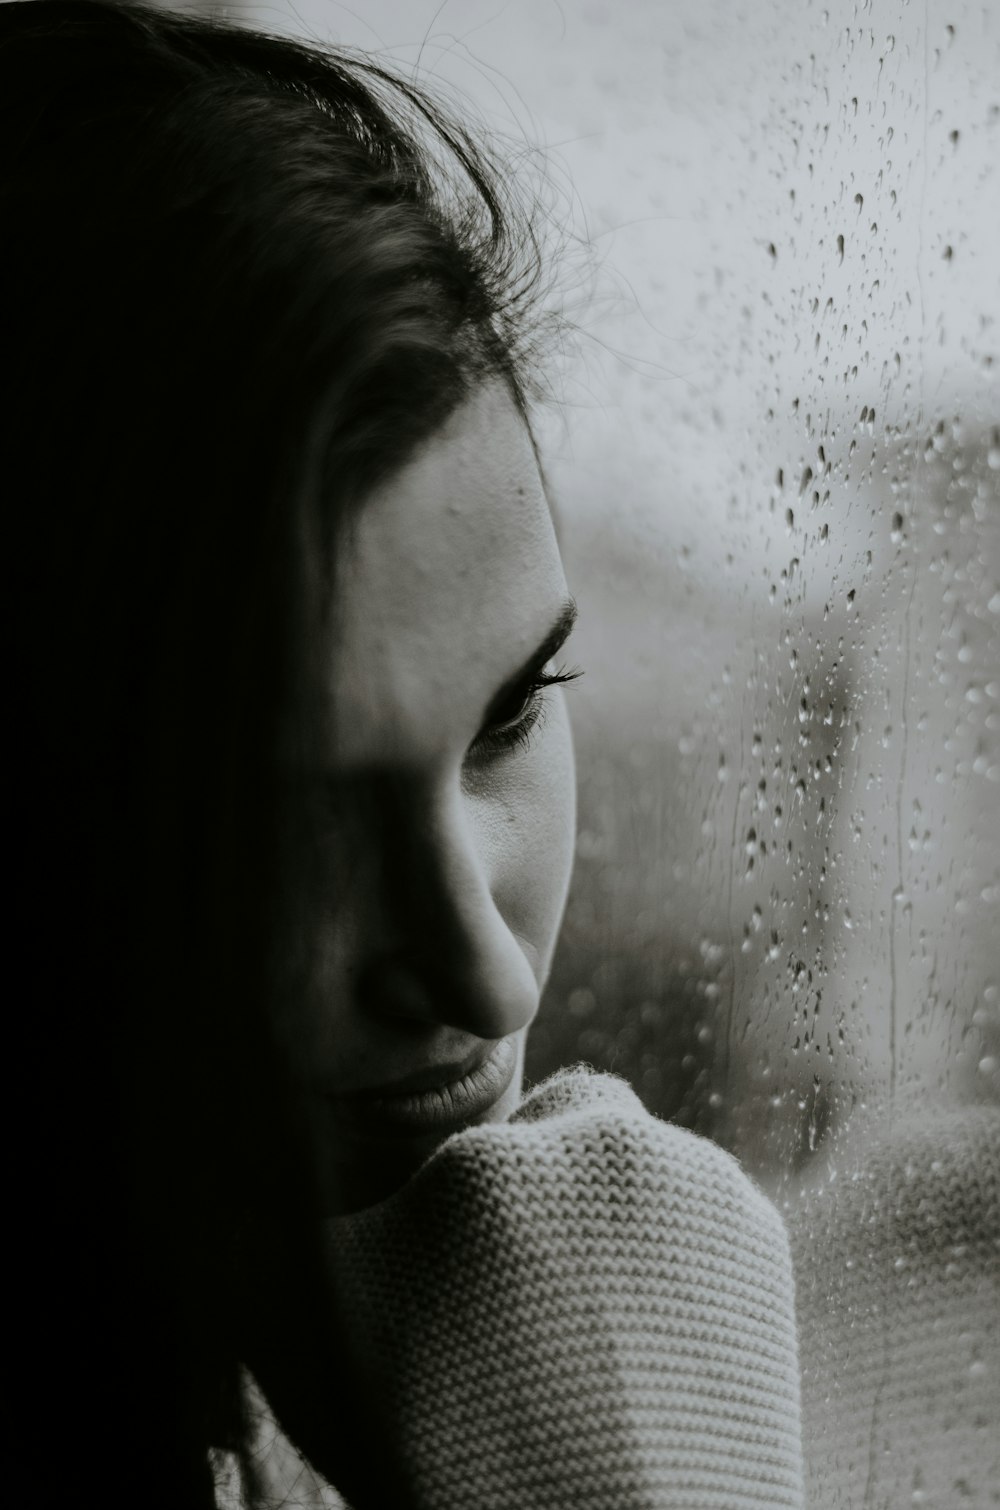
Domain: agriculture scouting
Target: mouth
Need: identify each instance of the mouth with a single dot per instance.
(438, 1099)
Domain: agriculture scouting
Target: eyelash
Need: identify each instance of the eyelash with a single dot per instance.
(516, 733)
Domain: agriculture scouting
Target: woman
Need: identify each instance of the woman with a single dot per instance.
(295, 811)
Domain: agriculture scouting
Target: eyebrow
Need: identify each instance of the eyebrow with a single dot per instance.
(553, 642)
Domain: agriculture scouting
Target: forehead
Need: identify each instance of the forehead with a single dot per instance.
(448, 580)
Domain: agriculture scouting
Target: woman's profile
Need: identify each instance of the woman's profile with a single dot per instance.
(295, 824)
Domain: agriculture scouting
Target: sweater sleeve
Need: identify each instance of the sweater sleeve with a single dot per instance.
(584, 1307)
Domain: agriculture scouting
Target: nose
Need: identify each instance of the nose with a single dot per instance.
(442, 952)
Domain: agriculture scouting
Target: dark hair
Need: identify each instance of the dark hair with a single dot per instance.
(240, 281)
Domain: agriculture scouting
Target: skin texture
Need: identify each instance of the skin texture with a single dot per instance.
(450, 853)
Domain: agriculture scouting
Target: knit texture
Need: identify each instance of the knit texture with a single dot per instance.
(584, 1307)
(898, 1272)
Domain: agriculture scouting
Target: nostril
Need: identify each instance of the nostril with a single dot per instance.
(403, 988)
(489, 999)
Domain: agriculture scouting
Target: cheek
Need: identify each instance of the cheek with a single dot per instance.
(534, 841)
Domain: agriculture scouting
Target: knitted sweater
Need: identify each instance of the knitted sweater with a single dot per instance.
(584, 1307)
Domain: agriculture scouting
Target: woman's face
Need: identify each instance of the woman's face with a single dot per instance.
(453, 808)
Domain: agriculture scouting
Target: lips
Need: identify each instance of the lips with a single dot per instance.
(438, 1098)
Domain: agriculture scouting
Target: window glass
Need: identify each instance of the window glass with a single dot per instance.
(777, 463)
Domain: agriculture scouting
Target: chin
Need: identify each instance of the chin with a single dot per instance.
(368, 1163)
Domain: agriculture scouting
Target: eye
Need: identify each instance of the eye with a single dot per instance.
(513, 721)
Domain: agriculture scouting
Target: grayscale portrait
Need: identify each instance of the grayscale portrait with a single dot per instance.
(503, 505)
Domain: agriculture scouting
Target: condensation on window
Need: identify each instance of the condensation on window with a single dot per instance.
(777, 463)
